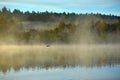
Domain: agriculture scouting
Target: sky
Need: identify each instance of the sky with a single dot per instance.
(77, 6)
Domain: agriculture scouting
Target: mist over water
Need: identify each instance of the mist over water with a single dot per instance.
(85, 48)
(65, 46)
(27, 56)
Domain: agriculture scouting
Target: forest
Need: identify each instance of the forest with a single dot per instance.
(65, 28)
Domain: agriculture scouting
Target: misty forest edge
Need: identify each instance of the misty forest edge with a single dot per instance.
(70, 28)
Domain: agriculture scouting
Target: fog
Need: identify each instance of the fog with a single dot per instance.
(86, 33)
(62, 31)
(63, 44)
(27, 56)
(27, 25)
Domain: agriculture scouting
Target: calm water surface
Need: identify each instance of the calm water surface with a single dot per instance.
(63, 62)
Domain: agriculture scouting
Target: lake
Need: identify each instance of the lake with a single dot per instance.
(60, 62)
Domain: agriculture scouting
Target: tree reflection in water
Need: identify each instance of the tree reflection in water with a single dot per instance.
(27, 56)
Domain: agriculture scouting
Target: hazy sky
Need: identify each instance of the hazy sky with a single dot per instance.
(78, 6)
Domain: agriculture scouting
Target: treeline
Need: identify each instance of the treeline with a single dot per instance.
(12, 31)
(58, 34)
(52, 16)
(103, 26)
(68, 25)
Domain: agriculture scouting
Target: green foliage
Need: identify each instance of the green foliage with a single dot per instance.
(10, 26)
(59, 34)
(101, 25)
(117, 25)
(6, 23)
(52, 16)
(61, 24)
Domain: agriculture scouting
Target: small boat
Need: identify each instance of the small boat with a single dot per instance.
(47, 45)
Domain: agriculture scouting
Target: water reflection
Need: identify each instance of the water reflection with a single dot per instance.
(76, 73)
(62, 56)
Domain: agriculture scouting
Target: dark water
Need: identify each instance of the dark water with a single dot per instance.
(63, 62)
